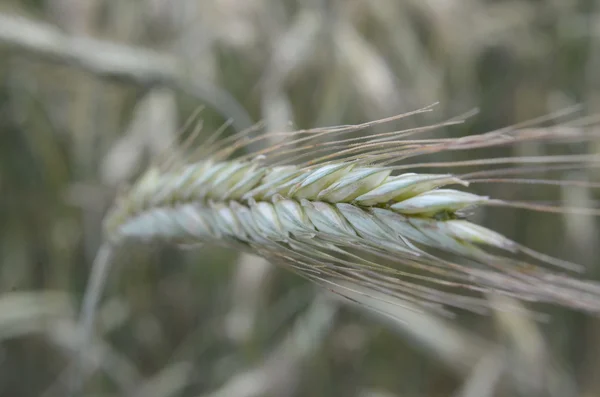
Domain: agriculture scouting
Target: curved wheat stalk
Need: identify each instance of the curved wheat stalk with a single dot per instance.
(344, 211)
(348, 211)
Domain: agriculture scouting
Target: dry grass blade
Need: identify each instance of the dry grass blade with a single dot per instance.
(27, 312)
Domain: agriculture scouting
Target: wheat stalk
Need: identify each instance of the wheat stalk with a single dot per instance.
(339, 216)
(345, 212)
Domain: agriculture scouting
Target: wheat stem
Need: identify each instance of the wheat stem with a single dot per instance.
(91, 300)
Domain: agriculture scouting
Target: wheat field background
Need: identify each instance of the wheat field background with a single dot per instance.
(91, 91)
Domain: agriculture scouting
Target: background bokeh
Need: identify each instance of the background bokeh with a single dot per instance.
(92, 90)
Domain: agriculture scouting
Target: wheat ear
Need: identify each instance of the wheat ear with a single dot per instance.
(339, 216)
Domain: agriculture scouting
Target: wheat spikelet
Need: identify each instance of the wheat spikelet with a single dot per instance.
(337, 217)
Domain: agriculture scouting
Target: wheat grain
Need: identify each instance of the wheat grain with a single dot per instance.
(338, 217)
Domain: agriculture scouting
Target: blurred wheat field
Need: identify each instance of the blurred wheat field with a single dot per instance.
(91, 92)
